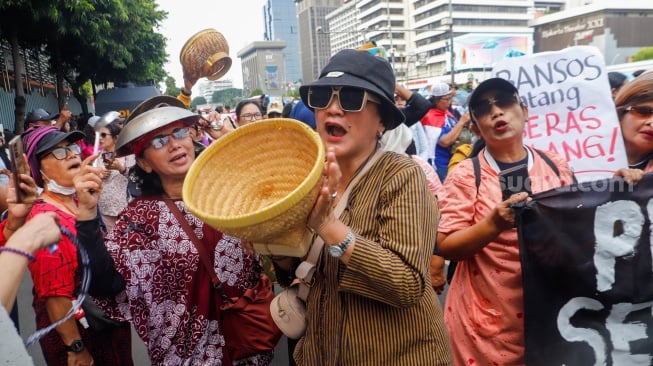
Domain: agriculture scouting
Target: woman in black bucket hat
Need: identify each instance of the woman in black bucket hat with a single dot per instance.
(371, 301)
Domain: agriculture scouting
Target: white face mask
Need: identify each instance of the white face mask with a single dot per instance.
(55, 187)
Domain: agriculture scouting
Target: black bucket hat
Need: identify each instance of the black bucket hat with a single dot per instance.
(361, 69)
(487, 85)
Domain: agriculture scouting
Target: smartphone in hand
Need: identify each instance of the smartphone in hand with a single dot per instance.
(18, 164)
(514, 180)
(107, 158)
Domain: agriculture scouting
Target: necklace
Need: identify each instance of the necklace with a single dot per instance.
(642, 163)
(72, 211)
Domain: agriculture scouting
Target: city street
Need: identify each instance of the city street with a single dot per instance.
(139, 352)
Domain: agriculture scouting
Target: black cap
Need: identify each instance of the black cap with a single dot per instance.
(361, 69)
(53, 139)
(38, 140)
(487, 85)
(39, 114)
(616, 79)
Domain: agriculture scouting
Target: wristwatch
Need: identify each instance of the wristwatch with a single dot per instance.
(76, 347)
(217, 125)
(337, 250)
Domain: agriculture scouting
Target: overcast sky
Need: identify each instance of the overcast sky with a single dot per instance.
(240, 21)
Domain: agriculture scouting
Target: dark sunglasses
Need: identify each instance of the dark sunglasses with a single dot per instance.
(162, 140)
(104, 135)
(502, 100)
(61, 153)
(640, 111)
(350, 99)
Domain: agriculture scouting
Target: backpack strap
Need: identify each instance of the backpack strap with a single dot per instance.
(477, 172)
(552, 165)
(548, 161)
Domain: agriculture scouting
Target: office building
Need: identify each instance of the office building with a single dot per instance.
(420, 34)
(263, 67)
(315, 48)
(615, 28)
(208, 87)
(280, 20)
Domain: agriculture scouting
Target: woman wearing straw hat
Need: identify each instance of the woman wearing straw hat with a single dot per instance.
(159, 283)
(371, 302)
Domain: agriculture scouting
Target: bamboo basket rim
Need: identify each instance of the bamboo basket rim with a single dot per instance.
(273, 210)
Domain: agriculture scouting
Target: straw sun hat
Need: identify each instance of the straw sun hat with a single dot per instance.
(259, 183)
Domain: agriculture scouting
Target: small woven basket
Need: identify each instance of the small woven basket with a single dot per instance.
(205, 54)
(259, 183)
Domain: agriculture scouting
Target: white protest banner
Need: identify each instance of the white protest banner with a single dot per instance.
(570, 108)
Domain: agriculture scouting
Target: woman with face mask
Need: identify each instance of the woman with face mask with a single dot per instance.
(54, 158)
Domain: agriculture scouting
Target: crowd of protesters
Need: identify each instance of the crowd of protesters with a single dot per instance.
(406, 156)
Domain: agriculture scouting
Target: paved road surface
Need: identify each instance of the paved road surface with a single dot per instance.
(139, 352)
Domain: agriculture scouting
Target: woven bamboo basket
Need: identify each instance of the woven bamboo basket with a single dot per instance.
(259, 183)
(205, 54)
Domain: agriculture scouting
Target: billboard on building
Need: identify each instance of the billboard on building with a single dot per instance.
(482, 50)
(272, 76)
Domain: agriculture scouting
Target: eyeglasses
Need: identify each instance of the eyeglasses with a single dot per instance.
(251, 116)
(502, 100)
(104, 135)
(350, 99)
(160, 141)
(61, 153)
(640, 111)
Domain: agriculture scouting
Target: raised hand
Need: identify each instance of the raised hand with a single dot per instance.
(88, 184)
(18, 211)
(322, 213)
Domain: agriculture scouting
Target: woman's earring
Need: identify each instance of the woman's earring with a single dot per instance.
(379, 135)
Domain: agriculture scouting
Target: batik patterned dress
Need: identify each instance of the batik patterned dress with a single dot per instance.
(169, 296)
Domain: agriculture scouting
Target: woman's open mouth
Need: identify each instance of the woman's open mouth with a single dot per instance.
(178, 157)
(335, 130)
(501, 126)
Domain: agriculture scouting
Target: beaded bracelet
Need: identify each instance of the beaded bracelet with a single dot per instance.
(25, 254)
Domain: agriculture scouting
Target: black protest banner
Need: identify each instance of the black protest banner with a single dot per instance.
(588, 274)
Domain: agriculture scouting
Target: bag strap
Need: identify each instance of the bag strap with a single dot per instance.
(548, 161)
(204, 256)
(306, 269)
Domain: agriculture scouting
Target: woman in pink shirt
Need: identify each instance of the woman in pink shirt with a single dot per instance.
(484, 306)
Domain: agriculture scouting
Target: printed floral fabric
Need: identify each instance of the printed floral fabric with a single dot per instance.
(168, 295)
(113, 198)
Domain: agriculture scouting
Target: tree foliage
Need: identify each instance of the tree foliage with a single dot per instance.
(643, 54)
(171, 89)
(255, 92)
(98, 40)
(230, 96)
(197, 101)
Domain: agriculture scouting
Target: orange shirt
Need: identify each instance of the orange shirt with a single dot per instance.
(484, 307)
